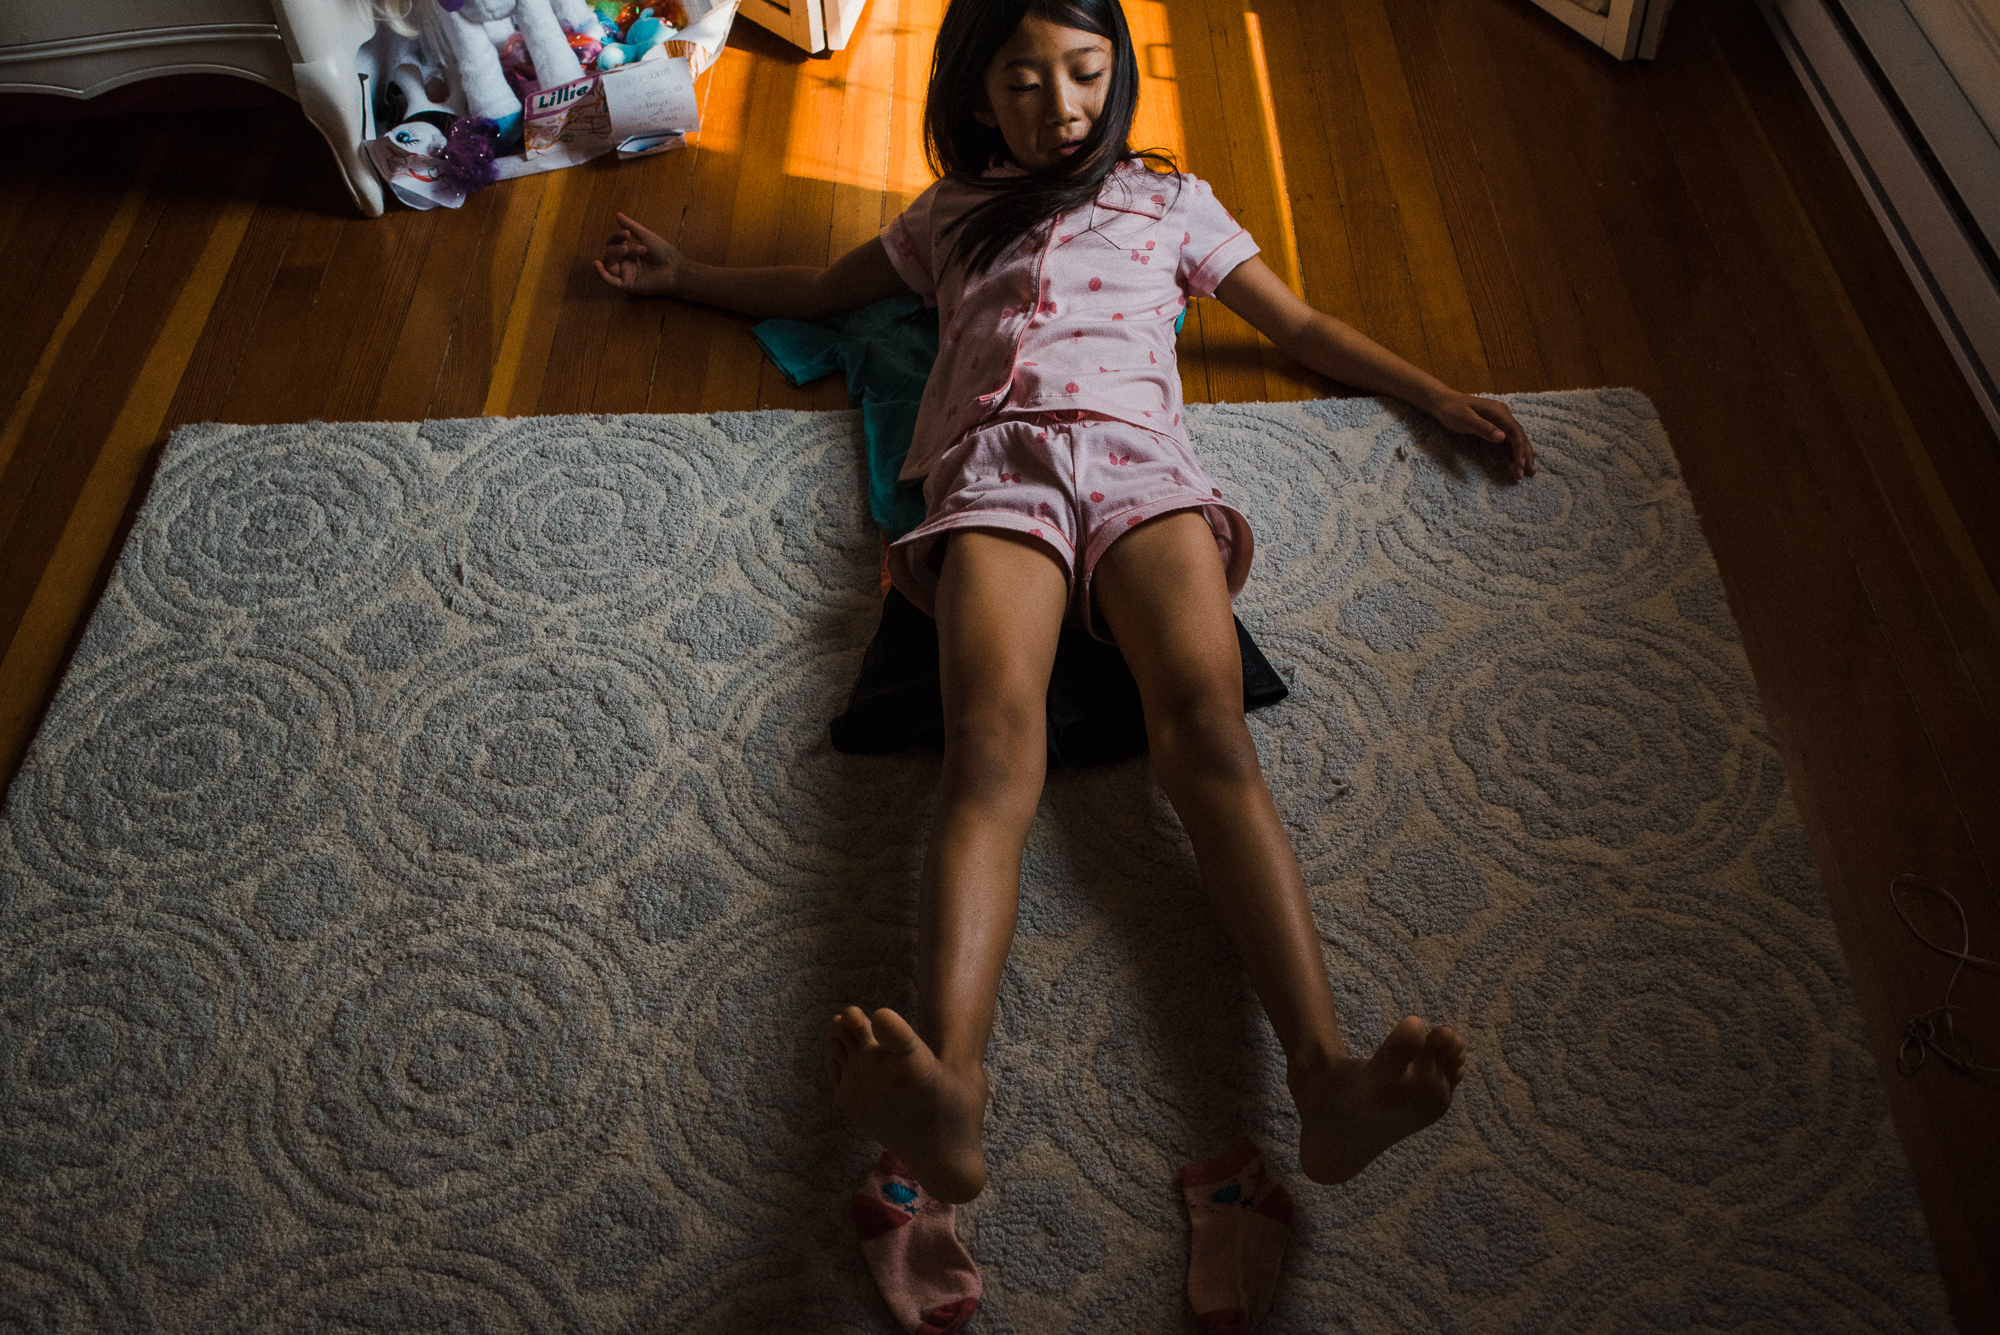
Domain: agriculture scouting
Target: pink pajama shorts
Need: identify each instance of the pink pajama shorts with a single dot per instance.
(1076, 482)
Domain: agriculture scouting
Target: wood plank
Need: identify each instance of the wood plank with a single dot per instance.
(800, 201)
(368, 343)
(365, 289)
(737, 224)
(1947, 760)
(526, 339)
(916, 29)
(1943, 419)
(581, 315)
(680, 372)
(1159, 122)
(1513, 352)
(1451, 330)
(1284, 378)
(605, 346)
(1386, 305)
(660, 193)
(1541, 59)
(180, 278)
(1297, 60)
(408, 380)
(1934, 600)
(1523, 226)
(80, 249)
(34, 427)
(1947, 417)
(52, 245)
(105, 350)
(1227, 365)
(632, 327)
(1211, 75)
(502, 251)
(258, 392)
(34, 179)
(204, 386)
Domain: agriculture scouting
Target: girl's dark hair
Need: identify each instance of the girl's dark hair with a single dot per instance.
(961, 147)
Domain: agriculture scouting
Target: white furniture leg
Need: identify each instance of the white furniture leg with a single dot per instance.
(322, 36)
(333, 101)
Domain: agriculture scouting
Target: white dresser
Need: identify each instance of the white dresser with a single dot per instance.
(303, 48)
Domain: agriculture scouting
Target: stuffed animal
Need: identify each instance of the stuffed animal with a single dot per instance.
(450, 155)
(646, 37)
(469, 36)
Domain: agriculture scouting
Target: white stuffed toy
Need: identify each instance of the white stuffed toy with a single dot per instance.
(467, 34)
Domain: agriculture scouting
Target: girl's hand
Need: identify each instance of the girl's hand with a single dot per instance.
(1489, 420)
(640, 262)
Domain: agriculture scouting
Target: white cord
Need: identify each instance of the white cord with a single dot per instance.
(1921, 1034)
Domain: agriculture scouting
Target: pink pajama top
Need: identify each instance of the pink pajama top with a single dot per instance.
(1080, 314)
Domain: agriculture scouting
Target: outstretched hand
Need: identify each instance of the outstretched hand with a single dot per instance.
(1489, 420)
(640, 262)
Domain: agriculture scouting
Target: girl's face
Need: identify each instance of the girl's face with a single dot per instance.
(1044, 90)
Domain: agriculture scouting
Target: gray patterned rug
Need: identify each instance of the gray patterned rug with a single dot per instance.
(421, 906)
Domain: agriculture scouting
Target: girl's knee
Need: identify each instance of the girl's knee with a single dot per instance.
(997, 743)
(1202, 733)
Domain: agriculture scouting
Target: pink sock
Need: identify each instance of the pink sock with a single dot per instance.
(1242, 1217)
(912, 1246)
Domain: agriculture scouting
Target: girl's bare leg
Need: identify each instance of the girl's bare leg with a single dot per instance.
(1162, 592)
(923, 1095)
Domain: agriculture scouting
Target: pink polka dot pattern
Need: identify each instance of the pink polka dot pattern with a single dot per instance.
(1019, 319)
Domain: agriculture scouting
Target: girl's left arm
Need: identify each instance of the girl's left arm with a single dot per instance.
(1346, 354)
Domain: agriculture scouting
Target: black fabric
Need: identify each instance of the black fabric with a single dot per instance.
(1093, 707)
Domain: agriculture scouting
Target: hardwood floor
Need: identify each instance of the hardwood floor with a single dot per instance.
(1463, 179)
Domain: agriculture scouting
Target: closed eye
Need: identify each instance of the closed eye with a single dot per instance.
(1092, 77)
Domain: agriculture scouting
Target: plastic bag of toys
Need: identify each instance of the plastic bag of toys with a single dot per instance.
(474, 91)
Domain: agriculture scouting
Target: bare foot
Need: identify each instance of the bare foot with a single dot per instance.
(888, 1083)
(1353, 1109)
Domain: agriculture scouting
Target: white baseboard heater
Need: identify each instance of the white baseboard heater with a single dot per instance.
(1911, 92)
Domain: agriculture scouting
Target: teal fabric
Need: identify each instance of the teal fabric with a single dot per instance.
(887, 350)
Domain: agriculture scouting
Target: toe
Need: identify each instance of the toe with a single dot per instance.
(849, 1032)
(1404, 1042)
(893, 1032)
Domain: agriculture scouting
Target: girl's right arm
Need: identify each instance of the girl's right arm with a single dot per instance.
(645, 264)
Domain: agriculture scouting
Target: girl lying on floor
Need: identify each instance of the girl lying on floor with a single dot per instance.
(1059, 482)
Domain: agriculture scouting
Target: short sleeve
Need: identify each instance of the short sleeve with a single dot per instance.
(1214, 242)
(911, 240)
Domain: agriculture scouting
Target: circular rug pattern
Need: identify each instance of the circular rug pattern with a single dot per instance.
(423, 904)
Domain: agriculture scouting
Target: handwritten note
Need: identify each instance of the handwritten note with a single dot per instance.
(652, 97)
